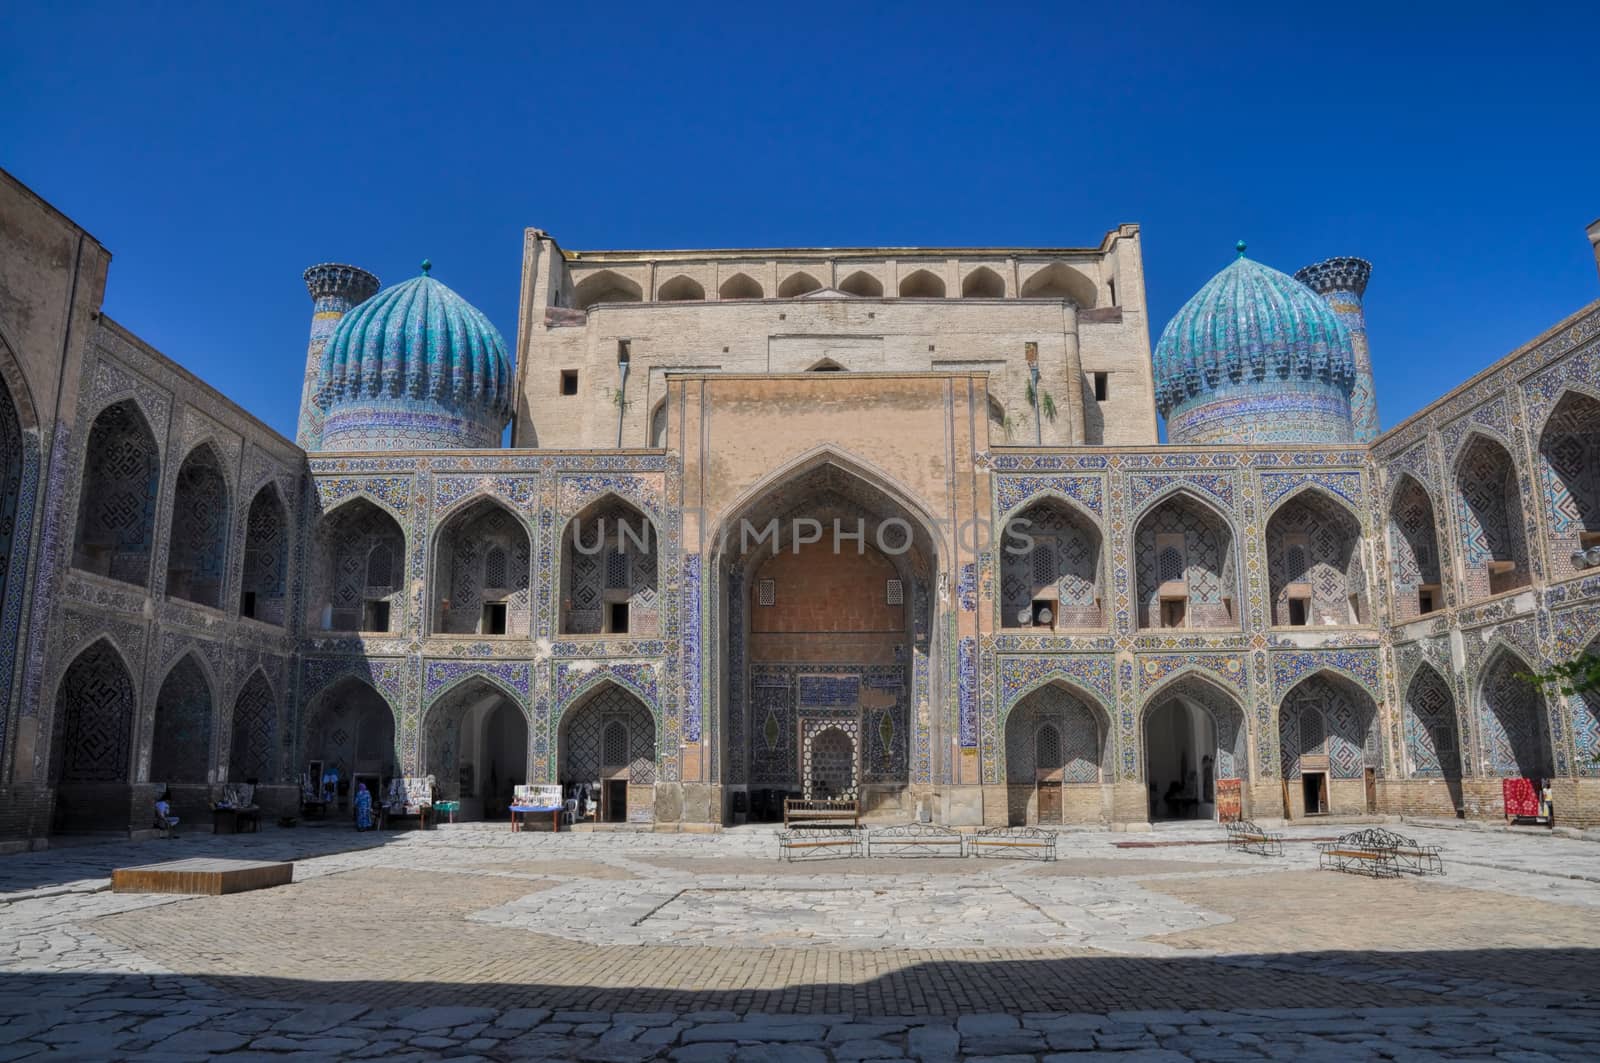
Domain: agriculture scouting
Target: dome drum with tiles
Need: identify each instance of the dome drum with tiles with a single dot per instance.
(1255, 357)
(415, 366)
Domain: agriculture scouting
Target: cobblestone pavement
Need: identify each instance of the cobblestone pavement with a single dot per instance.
(472, 942)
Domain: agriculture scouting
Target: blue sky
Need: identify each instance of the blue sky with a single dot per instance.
(218, 153)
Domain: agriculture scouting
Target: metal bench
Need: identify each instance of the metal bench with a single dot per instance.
(915, 839)
(821, 812)
(1249, 838)
(1021, 843)
(1382, 853)
(819, 843)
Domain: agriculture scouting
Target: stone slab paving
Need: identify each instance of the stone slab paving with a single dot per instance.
(473, 942)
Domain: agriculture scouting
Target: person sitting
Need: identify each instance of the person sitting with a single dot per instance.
(165, 820)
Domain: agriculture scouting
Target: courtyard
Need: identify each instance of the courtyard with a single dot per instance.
(470, 941)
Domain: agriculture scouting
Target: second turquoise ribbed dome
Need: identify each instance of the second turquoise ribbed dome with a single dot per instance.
(415, 366)
(1255, 357)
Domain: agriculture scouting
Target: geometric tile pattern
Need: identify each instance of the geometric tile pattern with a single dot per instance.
(609, 547)
(611, 730)
(255, 733)
(1512, 721)
(266, 555)
(1051, 550)
(1206, 565)
(484, 554)
(1331, 718)
(361, 550)
(182, 749)
(1054, 720)
(116, 521)
(1432, 749)
(1490, 513)
(1413, 546)
(196, 562)
(94, 717)
(1313, 540)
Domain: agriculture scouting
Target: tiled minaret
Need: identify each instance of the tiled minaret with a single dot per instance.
(1342, 282)
(334, 290)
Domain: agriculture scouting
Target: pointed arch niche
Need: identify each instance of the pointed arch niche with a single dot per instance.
(1314, 564)
(117, 500)
(263, 591)
(197, 558)
(358, 570)
(475, 745)
(350, 730)
(1494, 538)
(91, 749)
(1050, 572)
(1432, 743)
(1058, 758)
(1184, 566)
(1327, 743)
(1414, 552)
(1194, 736)
(482, 563)
(607, 742)
(1513, 723)
(1569, 454)
(610, 571)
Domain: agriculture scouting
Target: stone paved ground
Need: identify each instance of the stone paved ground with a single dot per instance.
(472, 942)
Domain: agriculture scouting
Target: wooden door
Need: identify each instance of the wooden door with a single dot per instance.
(1049, 802)
(1372, 790)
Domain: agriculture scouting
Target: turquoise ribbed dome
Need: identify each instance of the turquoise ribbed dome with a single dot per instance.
(1254, 357)
(415, 366)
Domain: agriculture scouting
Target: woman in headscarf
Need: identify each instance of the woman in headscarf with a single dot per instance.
(363, 807)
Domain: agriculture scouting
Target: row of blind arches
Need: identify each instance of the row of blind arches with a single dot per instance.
(1055, 281)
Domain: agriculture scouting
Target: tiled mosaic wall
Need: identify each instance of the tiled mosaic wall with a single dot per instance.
(117, 635)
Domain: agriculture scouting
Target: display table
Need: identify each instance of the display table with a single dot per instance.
(520, 811)
(235, 820)
(448, 809)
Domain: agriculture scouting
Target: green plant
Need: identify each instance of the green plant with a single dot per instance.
(620, 400)
(1042, 401)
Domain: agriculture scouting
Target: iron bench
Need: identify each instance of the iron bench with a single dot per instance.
(1249, 838)
(821, 812)
(819, 842)
(1023, 843)
(915, 839)
(1394, 853)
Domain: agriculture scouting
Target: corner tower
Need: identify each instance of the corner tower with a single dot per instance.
(334, 288)
(1342, 282)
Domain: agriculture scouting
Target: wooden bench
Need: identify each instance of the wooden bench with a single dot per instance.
(820, 812)
(1023, 843)
(915, 839)
(819, 842)
(1372, 862)
(1249, 838)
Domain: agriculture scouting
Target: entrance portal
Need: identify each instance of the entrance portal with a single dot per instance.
(1194, 743)
(1176, 738)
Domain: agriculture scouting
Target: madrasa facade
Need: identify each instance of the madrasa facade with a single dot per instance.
(884, 524)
